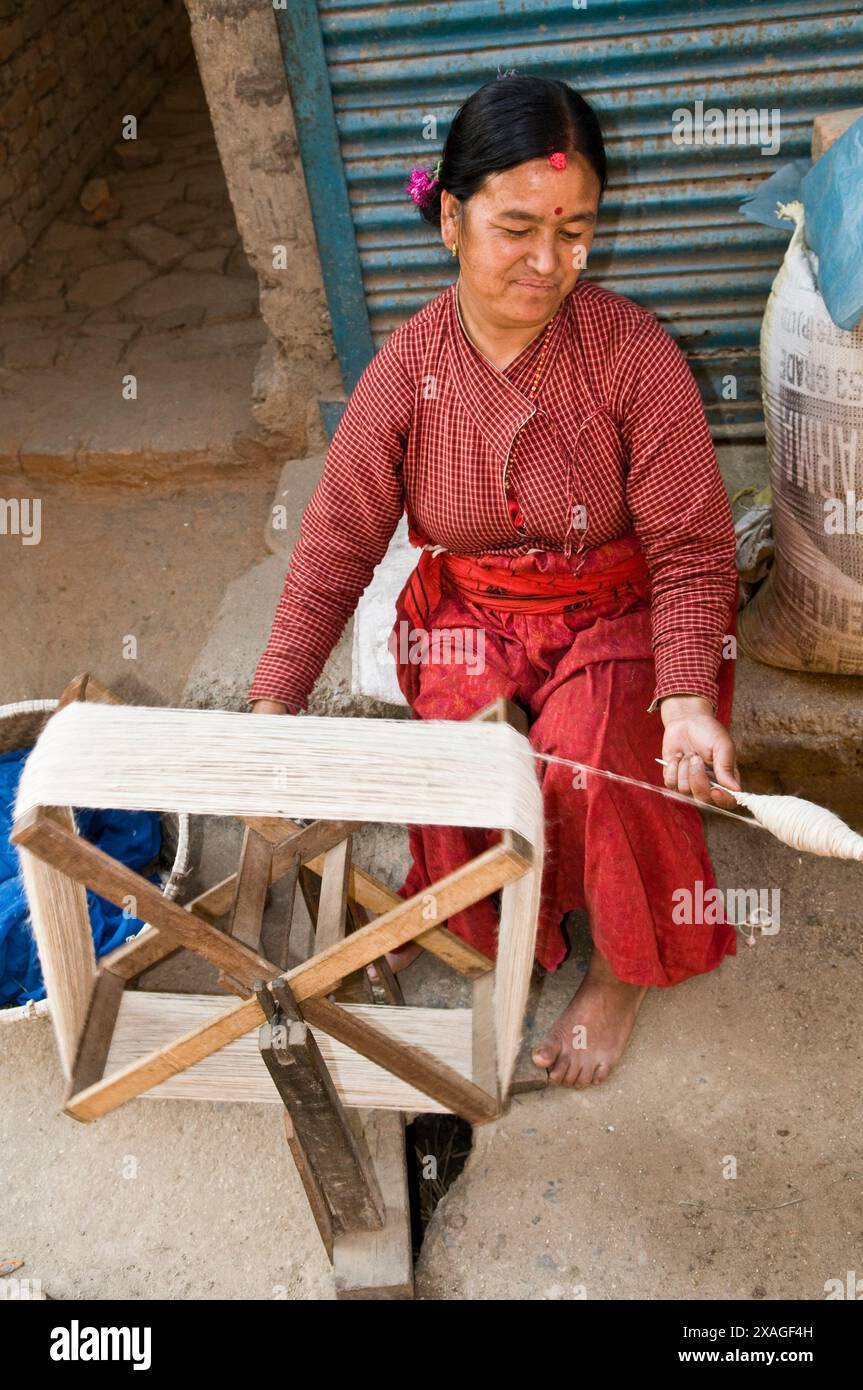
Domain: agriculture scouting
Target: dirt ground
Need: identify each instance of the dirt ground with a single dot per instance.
(624, 1192)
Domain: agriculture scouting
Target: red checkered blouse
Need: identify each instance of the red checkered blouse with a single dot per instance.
(617, 428)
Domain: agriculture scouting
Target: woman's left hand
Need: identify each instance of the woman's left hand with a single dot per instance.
(693, 742)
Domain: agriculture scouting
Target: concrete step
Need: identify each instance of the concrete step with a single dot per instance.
(802, 734)
(190, 421)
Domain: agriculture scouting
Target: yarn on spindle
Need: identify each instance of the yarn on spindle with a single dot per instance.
(803, 825)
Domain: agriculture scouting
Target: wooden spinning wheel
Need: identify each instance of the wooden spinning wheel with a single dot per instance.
(323, 1052)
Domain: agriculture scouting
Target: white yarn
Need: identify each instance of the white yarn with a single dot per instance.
(803, 825)
(218, 762)
(61, 923)
(793, 820)
(149, 1020)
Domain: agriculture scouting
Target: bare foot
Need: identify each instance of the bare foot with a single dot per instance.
(591, 1034)
(399, 959)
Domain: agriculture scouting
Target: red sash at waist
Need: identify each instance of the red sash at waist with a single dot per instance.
(508, 592)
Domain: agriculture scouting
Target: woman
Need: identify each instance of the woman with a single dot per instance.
(547, 440)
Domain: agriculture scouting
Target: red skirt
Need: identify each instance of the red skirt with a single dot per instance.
(585, 678)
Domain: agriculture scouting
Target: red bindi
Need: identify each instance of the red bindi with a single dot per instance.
(558, 211)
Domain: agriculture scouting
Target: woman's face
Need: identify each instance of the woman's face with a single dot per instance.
(523, 239)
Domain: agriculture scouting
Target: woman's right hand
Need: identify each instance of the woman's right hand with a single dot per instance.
(269, 707)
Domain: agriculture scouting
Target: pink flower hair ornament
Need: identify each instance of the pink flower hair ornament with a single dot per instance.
(422, 181)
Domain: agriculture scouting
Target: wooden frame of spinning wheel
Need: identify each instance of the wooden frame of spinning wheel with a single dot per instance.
(275, 848)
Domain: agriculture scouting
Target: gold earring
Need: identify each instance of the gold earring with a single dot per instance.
(454, 247)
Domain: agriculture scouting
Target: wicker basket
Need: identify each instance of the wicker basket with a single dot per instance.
(20, 726)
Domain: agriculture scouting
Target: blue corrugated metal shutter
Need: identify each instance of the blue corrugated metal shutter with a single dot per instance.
(671, 234)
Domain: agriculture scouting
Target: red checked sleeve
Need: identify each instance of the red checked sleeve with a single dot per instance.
(680, 511)
(344, 533)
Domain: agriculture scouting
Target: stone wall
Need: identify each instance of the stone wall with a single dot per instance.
(69, 73)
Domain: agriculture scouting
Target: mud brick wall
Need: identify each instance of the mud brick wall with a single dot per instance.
(69, 73)
(240, 62)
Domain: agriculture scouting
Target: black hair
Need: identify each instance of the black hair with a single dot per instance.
(507, 122)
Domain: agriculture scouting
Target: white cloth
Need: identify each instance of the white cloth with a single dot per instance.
(373, 669)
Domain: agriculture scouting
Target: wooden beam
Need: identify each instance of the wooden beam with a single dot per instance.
(460, 955)
(358, 988)
(506, 711)
(289, 895)
(235, 1072)
(250, 898)
(149, 947)
(455, 952)
(74, 691)
(94, 690)
(386, 989)
(310, 886)
(273, 829)
(374, 1264)
(105, 1095)
(342, 1167)
(321, 1213)
(86, 687)
(75, 856)
(95, 1040)
(250, 890)
(370, 893)
(379, 1264)
(311, 842)
(524, 1082)
(827, 128)
(142, 953)
(139, 955)
(413, 1064)
(333, 900)
(466, 885)
(499, 865)
(484, 1053)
